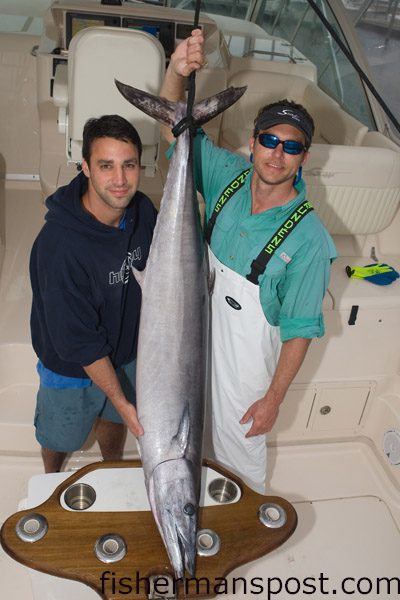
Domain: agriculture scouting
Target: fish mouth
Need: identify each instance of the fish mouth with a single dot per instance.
(185, 550)
(174, 502)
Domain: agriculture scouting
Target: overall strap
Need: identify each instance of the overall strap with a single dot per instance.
(226, 195)
(259, 264)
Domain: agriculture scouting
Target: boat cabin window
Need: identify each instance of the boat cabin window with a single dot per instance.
(20, 24)
(289, 30)
(22, 16)
(297, 22)
(273, 30)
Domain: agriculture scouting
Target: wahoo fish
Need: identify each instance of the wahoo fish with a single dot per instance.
(171, 358)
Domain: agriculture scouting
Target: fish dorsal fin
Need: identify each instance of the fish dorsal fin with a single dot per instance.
(181, 439)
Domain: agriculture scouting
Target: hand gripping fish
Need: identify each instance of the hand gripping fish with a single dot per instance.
(170, 384)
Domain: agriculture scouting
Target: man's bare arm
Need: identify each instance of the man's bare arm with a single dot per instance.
(103, 374)
(188, 57)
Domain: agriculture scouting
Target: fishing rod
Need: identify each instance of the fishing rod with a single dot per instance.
(187, 121)
(192, 76)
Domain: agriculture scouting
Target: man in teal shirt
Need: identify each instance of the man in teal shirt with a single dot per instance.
(271, 256)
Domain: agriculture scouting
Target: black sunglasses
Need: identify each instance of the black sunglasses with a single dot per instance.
(289, 146)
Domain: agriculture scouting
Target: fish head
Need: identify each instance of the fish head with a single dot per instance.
(174, 498)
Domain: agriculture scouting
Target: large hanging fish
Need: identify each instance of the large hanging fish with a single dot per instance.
(170, 383)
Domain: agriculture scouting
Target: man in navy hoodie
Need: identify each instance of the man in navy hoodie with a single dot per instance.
(86, 301)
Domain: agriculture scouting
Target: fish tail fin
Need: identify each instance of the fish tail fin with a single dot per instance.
(164, 111)
(207, 109)
(160, 109)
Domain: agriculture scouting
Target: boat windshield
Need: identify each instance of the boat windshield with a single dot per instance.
(277, 30)
(290, 30)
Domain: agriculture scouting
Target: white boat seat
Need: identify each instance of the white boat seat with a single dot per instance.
(97, 55)
(352, 175)
(332, 124)
(355, 189)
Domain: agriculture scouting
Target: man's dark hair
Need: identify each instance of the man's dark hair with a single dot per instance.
(112, 126)
(271, 114)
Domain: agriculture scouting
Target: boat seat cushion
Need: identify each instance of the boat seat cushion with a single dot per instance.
(332, 124)
(352, 175)
(94, 61)
(356, 190)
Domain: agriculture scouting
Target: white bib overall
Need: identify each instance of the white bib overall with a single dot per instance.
(244, 353)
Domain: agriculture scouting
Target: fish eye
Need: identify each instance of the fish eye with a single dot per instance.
(189, 509)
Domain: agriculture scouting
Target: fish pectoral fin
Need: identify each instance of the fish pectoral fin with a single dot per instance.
(181, 439)
(139, 275)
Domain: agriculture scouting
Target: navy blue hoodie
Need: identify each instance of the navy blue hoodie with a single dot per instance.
(86, 301)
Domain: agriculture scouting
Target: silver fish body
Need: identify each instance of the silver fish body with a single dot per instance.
(171, 360)
(170, 363)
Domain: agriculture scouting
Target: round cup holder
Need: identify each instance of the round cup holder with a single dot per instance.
(80, 496)
(223, 490)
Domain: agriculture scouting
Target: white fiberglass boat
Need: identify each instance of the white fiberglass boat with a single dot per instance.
(335, 450)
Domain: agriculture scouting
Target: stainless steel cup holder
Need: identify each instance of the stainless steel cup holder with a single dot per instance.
(223, 490)
(80, 496)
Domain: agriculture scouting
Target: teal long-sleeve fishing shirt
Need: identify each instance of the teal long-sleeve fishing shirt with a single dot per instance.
(296, 278)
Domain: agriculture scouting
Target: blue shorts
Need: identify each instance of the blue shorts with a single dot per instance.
(65, 417)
